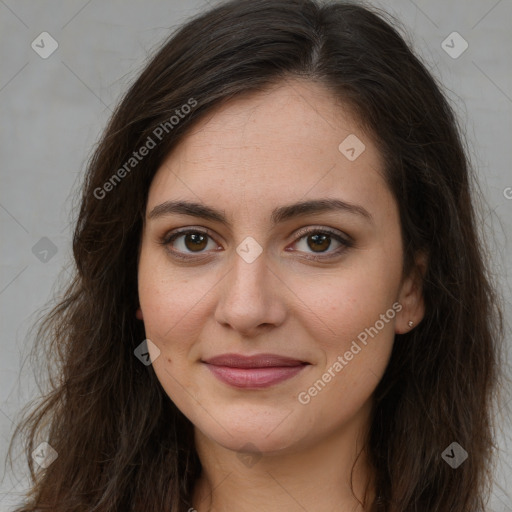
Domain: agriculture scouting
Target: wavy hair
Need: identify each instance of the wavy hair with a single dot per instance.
(122, 444)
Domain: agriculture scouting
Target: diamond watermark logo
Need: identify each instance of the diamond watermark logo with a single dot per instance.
(249, 455)
(454, 45)
(147, 352)
(249, 249)
(44, 455)
(352, 147)
(44, 250)
(44, 45)
(454, 455)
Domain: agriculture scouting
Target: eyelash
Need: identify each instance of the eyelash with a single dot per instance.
(168, 238)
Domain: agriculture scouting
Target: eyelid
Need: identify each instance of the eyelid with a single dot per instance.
(323, 229)
(190, 229)
(170, 236)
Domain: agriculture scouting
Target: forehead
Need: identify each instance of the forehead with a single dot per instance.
(291, 117)
(293, 141)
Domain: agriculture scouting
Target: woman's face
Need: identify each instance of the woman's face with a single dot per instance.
(243, 281)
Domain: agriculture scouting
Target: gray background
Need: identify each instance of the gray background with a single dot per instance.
(53, 110)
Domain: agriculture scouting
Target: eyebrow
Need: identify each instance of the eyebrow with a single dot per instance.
(280, 214)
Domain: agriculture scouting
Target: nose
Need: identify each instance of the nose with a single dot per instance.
(251, 297)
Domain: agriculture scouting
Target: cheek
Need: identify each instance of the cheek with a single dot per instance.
(353, 325)
(172, 308)
(358, 334)
(341, 305)
(171, 302)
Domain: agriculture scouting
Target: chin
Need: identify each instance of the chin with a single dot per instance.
(256, 432)
(255, 442)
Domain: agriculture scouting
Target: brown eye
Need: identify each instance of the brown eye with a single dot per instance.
(195, 241)
(319, 242)
(184, 243)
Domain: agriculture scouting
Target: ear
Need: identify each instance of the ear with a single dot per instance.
(411, 296)
(138, 314)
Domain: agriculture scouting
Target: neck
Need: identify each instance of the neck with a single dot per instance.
(314, 476)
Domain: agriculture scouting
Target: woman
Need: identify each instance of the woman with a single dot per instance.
(281, 301)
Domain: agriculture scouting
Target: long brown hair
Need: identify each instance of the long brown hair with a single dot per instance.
(121, 442)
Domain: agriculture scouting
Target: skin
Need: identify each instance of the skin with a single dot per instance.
(253, 154)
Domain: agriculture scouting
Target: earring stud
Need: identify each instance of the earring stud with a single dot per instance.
(411, 323)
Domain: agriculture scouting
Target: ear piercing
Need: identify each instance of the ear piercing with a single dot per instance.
(411, 323)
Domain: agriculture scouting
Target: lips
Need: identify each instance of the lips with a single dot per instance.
(256, 361)
(257, 371)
